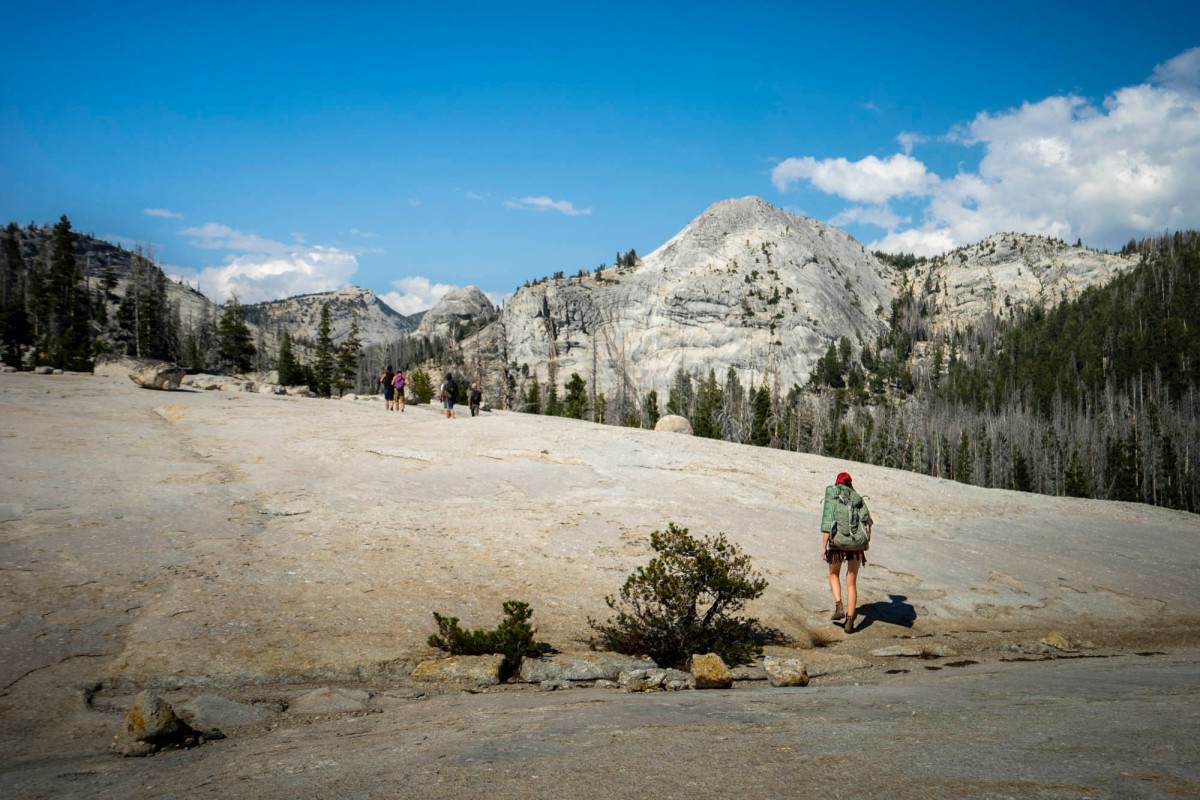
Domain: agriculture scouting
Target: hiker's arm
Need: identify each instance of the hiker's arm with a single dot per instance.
(825, 546)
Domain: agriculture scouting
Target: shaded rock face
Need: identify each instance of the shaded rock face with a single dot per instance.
(710, 672)
(785, 671)
(151, 725)
(673, 423)
(477, 670)
(583, 666)
(460, 305)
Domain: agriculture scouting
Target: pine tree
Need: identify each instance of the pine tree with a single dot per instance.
(575, 401)
(286, 365)
(323, 361)
(1022, 481)
(348, 358)
(553, 404)
(533, 398)
(1076, 483)
(964, 465)
(235, 347)
(760, 430)
(650, 412)
(706, 421)
(15, 329)
(70, 342)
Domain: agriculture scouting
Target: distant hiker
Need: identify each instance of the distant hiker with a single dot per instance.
(474, 398)
(446, 394)
(389, 391)
(398, 383)
(846, 524)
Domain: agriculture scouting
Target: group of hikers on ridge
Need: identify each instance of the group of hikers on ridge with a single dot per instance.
(394, 382)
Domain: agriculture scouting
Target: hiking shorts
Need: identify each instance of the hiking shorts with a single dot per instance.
(838, 556)
(448, 403)
(388, 393)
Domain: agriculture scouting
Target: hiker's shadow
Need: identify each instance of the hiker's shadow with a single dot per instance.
(896, 611)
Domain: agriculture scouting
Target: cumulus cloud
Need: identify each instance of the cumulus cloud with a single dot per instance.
(214, 236)
(546, 204)
(1063, 166)
(907, 140)
(257, 277)
(868, 180)
(161, 212)
(415, 293)
(879, 216)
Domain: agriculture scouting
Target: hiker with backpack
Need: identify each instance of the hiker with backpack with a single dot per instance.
(399, 382)
(846, 527)
(446, 393)
(389, 391)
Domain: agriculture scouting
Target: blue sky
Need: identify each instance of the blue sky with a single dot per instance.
(275, 149)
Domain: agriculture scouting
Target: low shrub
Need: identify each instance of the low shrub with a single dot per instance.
(684, 602)
(512, 638)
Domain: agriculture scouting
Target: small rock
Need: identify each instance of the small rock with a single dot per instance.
(678, 681)
(349, 396)
(587, 665)
(915, 651)
(749, 672)
(7, 368)
(210, 711)
(552, 685)
(710, 672)
(43, 370)
(673, 423)
(606, 684)
(642, 680)
(299, 391)
(785, 671)
(286, 508)
(150, 726)
(478, 670)
(1058, 641)
(329, 701)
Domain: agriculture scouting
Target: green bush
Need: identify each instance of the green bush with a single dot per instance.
(512, 638)
(421, 385)
(683, 602)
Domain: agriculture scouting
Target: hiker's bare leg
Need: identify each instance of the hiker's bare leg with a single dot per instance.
(852, 587)
(835, 582)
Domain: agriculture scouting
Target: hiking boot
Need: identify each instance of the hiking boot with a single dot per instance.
(839, 613)
(849, 626)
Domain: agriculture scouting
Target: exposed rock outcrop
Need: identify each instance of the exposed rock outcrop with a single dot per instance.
(581, 666)
(151, 725)
(460, 305)
(710, 672)
(161, 375)
(477, 670)
(673, 423)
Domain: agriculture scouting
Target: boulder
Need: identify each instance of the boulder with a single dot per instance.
(233, 386)
(209, 711)
(749, 672)
(710, 672)
(150, 726)
(1058, 641)
(269, 388)
(300, 391)
(7, 368)
(43, 370)
(653, 680)
(349, 396)
(329, 701)
(673, 423)
(785, 671)
(554, 685)
(588, 665)
(161, 375)
(478, 670)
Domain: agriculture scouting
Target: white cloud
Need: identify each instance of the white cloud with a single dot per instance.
(908, 140)
(298, 238)
(1063, 166)
(214, 236)
(474, 196)
(124, 241)
(546, 204)
(256, 277)
(879, 216)
(161, 212)
(415, 293)
(869, 180)
(363, 234)
(414, 203)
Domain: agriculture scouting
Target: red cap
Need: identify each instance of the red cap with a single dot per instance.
(844, 477)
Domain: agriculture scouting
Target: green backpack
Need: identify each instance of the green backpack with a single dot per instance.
(848, 529)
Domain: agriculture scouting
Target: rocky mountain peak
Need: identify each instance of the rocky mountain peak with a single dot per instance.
(460, 305)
